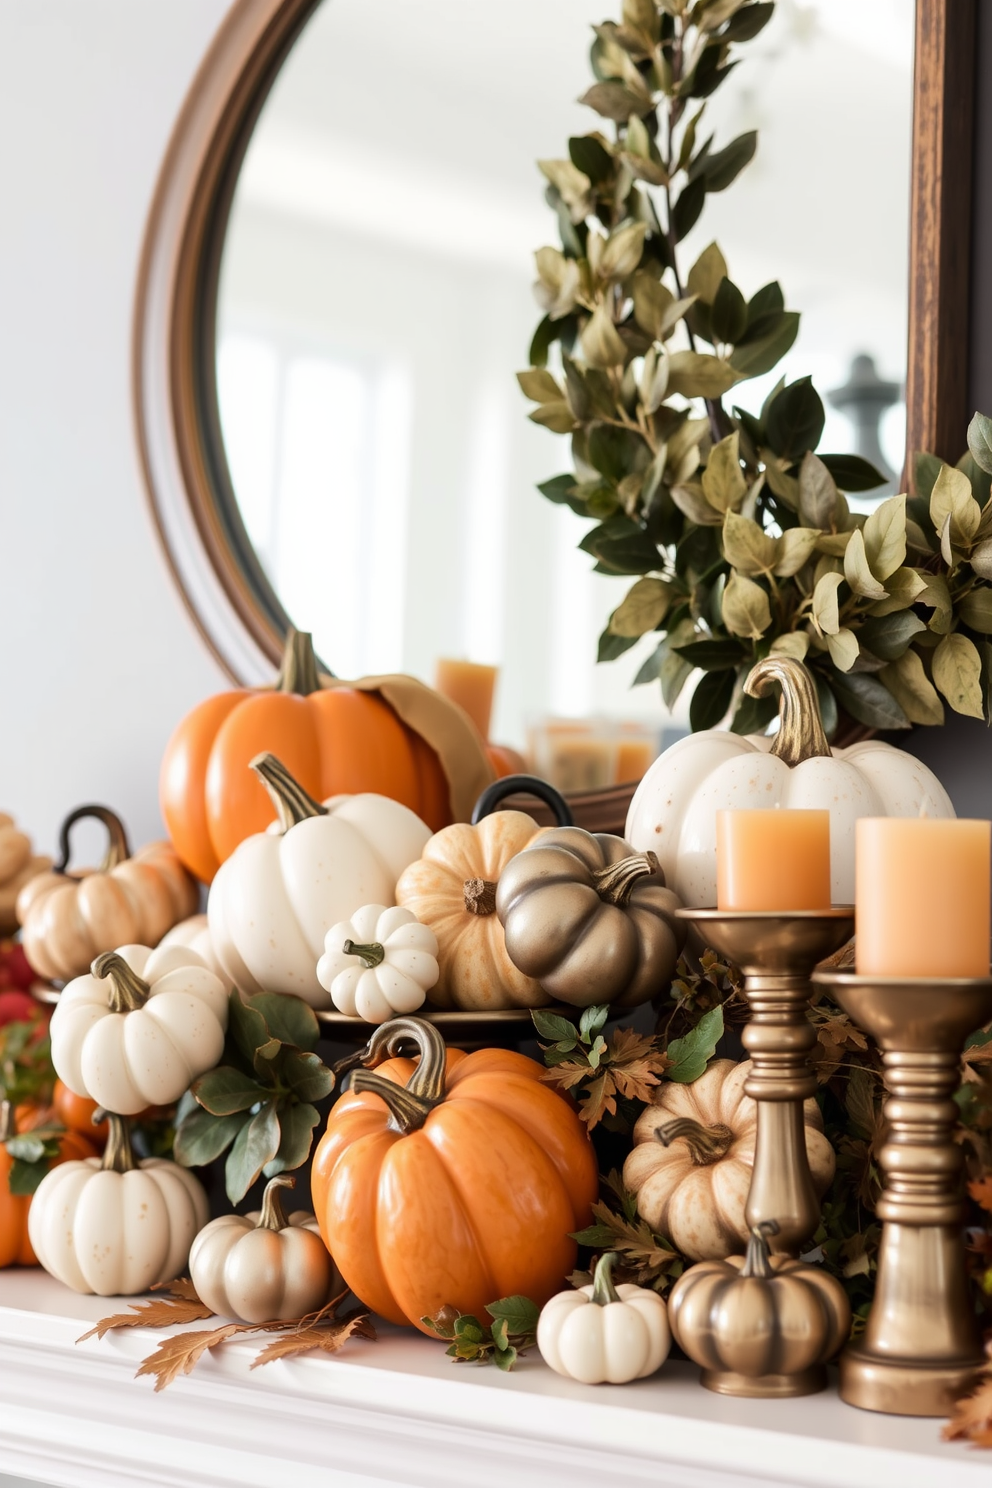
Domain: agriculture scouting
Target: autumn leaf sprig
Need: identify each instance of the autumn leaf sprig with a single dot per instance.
(512, 1331)
(646, 1259)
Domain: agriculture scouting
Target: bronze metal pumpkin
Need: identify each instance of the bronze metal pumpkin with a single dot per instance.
(590, 919)
(760, 1325)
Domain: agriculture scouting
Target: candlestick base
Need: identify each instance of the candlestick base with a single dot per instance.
(920, 1350)
(777, 953)
(765, 1386)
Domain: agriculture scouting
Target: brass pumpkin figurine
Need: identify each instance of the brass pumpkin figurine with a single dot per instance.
(760, 1325)
(590, 919)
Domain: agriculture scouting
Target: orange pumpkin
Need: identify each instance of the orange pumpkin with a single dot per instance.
(15, 1247)
(334, 739)
(454, 1179)
(505, 760)
(76, 1112)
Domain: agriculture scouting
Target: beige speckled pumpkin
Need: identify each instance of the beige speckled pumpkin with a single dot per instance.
(693, 1190)
(452, 888)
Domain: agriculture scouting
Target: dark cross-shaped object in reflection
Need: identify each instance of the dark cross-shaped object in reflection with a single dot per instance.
(864, 398)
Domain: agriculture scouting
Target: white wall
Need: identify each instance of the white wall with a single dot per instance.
(101, 657)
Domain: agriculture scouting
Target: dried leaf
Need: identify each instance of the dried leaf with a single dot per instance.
(972, 1417)
(181, 1354)
(957, 671)
(161, 1312)
(329, 1340)
(746, 610)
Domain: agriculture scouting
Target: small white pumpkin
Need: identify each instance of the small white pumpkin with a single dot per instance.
(379, 963)
(113, 1226)
(275, 898)
(139, 1027)
(263, 1266)
(673, 812)
(603, 1333)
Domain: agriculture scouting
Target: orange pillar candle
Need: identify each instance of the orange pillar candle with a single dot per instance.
(922, 890)
(773, 860)
(470, 686)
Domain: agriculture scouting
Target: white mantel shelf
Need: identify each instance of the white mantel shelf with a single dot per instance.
(398, 1412)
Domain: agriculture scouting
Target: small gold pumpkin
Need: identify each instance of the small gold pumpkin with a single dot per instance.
(590, 919)
(693, 1157)
(759, 1324)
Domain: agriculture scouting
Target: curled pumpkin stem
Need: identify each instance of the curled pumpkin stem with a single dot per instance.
(292, 803)
(118, 849)
(128, 991)
(616, 883)
(272, 1215)
(371, 955)
(409, 1105)
(479, 895)
(706, 1144)
(800, 735)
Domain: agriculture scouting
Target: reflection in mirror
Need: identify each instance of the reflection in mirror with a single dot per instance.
(375, 303)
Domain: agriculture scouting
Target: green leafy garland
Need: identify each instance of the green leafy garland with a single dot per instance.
(741, 534)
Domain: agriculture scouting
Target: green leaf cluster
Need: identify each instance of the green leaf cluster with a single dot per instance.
(258, 1104)
(737, 532)
(512, 1331)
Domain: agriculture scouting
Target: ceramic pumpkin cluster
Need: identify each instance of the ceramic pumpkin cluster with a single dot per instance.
(275, 898)
(690, 1167)
(69, 918)
(673, 812)
(389, 736)
(449, 1180)
(18, 865)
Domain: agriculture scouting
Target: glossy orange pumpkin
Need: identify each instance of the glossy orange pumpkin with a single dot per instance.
(76, 1112)
(15, 1247)
(450, 1181)
(335, 740)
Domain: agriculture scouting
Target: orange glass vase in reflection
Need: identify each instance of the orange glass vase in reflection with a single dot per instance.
(922, 897)
(773, 860)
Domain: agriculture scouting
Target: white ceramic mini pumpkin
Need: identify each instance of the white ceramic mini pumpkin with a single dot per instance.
(379, 963)
(673, 812)
(693, 1156)
(275, 898)
(114, 1226)
(263, 1266)
(604, 1333)
(139, 1027)
(194, 934)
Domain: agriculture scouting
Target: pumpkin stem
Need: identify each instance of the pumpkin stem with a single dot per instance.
(757, 1261)
(480, 896)
(117, 844)
(127, 990)
(8, 1127)
(371, 955)
(291, 801)
(800, 735)
(603, 1290)
(273, 1216)
(298, 673)
(118, 1155)
(706, 1144)
(616, 883)
(409, 1106)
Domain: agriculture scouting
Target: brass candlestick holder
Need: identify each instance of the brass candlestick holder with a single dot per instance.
(777, 952)
(920, 1350)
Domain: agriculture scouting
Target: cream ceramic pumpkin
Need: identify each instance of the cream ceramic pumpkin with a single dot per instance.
(194, 934)
(263, 1266)
(139, 1027)
(693, 1155)
(114, 1226)
(275, 898)
(452, 888)
(380, 963)
(604, 1334)
(673, 812)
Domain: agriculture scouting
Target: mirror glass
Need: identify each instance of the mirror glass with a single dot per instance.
(375, 303)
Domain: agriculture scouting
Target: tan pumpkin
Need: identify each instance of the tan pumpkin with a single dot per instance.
(452, 888)
(67, 919)
(18, 864)
(694, 1151)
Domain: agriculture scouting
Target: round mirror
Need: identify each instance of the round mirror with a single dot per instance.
(364, 302)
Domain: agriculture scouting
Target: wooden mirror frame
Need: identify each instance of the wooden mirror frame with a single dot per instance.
(228, 595)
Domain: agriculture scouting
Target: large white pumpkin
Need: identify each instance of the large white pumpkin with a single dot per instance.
(275, 898)
(674, 809)
(138, 1028)
(114, 1226)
